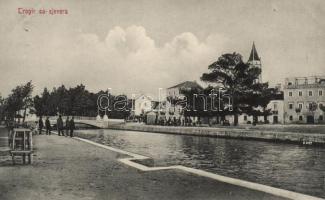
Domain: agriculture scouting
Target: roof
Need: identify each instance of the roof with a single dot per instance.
(187, 84)
(144, 96)
(253, 56)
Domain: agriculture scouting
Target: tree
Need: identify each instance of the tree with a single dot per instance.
(237, 79)
(38, 105)
(19, 99)
(2, 107)
(73, 101)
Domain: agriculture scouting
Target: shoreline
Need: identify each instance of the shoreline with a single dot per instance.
(88, 170)
(314, 139)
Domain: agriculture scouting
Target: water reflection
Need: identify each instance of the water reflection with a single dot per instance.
(286, 166)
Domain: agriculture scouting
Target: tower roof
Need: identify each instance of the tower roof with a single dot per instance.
(254, 55)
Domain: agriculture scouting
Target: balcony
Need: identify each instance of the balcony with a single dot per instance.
(305, 82)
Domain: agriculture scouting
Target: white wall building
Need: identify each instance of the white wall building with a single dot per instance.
(142, 104)
(303, 98)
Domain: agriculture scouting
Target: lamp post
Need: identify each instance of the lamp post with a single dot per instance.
(101, 107)
(105, 118)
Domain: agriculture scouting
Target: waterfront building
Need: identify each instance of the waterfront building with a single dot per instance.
(176, 92)
(303, 99)
(277, 112)
(276, 116)
(142, 105)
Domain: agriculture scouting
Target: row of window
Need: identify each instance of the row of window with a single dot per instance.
(301, 118)
(310, 93)
(301, 105)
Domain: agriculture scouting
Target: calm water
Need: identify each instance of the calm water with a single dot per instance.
(287, 166)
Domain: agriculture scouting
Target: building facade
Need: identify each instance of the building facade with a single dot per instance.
(276, 108)
(176, 92)
(142, 104)
(303, 99)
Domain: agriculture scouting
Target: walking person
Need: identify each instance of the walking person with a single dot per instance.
(48, 126)
(59, 124)
(71, 126)
(67, 126)
(40, 125)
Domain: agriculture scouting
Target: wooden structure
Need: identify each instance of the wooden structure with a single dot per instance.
(21, 144)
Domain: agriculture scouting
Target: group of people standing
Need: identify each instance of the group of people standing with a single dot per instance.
(64, 129)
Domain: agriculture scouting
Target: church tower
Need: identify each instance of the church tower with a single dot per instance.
(255, 61)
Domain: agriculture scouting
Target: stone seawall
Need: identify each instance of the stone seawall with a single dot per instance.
(275, 136)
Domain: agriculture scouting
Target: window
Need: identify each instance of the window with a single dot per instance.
(289, 83)
(310, 93)
(300, 118)
(300, 105)
(320, 106)
(290, 94)
(290, 117)
(245, 117)
(320, 117)
(300, 93)
(290, 106)
(275, 106)
(320, 93)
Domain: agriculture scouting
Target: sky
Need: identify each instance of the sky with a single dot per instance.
(140, 46)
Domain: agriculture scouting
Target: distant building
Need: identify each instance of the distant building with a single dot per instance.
(176, 92)
(276, 117)
(142, 104)
(30, 115)
(277, 111)
(303, 98)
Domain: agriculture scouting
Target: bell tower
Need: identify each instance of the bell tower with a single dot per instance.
(255, 61)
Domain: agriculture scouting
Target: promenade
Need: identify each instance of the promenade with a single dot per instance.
(67, 168)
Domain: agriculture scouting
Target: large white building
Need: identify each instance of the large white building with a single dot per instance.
(303, 99)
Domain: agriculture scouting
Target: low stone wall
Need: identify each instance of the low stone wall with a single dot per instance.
(290, 137)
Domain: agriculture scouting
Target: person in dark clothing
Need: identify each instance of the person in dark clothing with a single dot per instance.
(67, 126)
(48, 126)
(40, 125)
(59, 124)
(71, 126)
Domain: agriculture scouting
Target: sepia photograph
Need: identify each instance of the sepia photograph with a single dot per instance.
(162, 100)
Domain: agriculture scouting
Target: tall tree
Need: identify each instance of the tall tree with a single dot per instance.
(237, 79)
(2, 107)
(19, 99)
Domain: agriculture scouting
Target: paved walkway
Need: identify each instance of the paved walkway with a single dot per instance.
(66, 168)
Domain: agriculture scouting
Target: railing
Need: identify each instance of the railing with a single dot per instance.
(302, 86)
(305, 82)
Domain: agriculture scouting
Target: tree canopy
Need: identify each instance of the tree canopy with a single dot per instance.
(19, 99)
(239, 80)
(74, 101)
